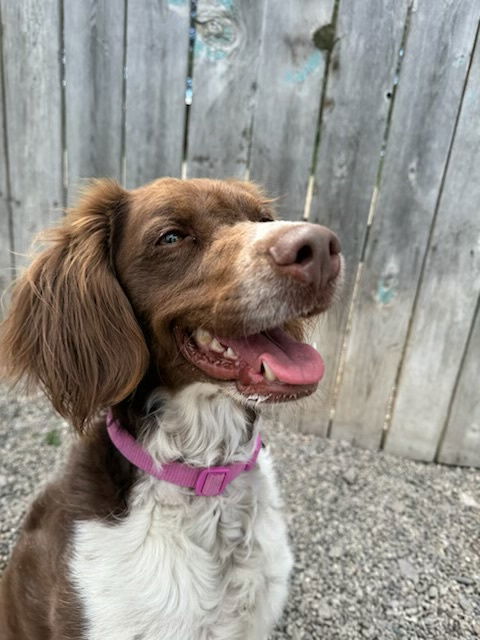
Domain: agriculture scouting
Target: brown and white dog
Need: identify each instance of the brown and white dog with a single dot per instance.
(179, 305)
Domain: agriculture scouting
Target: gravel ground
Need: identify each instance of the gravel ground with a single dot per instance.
(384, 548)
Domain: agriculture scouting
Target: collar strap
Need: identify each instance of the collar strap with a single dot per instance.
(207, 481)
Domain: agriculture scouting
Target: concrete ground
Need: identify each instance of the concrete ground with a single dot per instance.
(385, 548)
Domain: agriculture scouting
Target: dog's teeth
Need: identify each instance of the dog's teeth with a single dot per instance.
(203, 337)
(268, 373)
(216, 346)
(230, 354)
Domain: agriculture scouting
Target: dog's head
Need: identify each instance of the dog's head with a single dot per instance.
(191, 280)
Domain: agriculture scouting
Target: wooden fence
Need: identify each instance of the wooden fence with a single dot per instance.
(362, 115)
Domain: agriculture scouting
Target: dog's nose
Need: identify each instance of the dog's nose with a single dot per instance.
(307, 252)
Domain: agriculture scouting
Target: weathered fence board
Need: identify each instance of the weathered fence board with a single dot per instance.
(227, 47)
(423, 120)
(157, 59)
(94, 58)
(447, 298)
(290, 78)
(381, 86)
(32, 72)
(352, 132)
(461, 444)
(6, 256)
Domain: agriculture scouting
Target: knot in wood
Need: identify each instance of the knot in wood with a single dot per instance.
(324, 37)
(217, 35)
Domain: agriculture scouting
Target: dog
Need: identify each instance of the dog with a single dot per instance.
(159, 321)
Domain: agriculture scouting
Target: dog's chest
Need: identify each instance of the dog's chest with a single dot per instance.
(215, 569)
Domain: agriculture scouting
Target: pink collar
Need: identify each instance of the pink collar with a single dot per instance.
(207, 481)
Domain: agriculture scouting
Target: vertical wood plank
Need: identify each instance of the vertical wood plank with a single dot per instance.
(447, 298)
(32, 68)
(461, 444)
(365, 55)
(424, 115)
(157, 59)
(94, 51)
(290, 79)
(227, 48)
(6, 255)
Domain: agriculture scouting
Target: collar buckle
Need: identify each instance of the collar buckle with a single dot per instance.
(212, 481)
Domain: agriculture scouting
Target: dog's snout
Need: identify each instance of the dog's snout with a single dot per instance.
(307, 252)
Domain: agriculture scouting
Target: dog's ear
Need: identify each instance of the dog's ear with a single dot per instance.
(70, 326)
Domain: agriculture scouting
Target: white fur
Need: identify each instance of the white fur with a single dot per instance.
(259, 282)
(183, 567)
(259, 231)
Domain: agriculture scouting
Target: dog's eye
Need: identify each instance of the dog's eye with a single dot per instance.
(171, 237)
(265, 219)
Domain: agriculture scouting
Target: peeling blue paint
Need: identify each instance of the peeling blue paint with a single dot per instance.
(385, 293)
(211, 53)
(228, 4)
(311, 64)
(460, 60)
(177, 3)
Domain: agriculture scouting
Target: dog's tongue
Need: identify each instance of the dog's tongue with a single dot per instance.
(291, 361)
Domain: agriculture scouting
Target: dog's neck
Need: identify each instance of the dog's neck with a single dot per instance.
(198, 425)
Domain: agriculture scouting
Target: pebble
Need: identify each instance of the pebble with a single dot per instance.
(407, 569)
(325, 611)
(464, 603)
(465, 580)
(433, 592)
(336, 552)
(350, 476)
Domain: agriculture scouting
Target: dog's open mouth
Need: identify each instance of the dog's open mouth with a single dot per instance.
(270, 365)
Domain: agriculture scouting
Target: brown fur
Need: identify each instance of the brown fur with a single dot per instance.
(70, 319)
(37, 601)
(92, 321)
(71, 316)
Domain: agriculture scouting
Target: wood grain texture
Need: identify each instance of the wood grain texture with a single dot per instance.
(461, 444)
(94, 50)
(423, 121)
(6, 255)
(447, 298)
(369, 36)
(157, 58)
(32, 58)
(290, 79)
(226, 55)
(259, 89)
